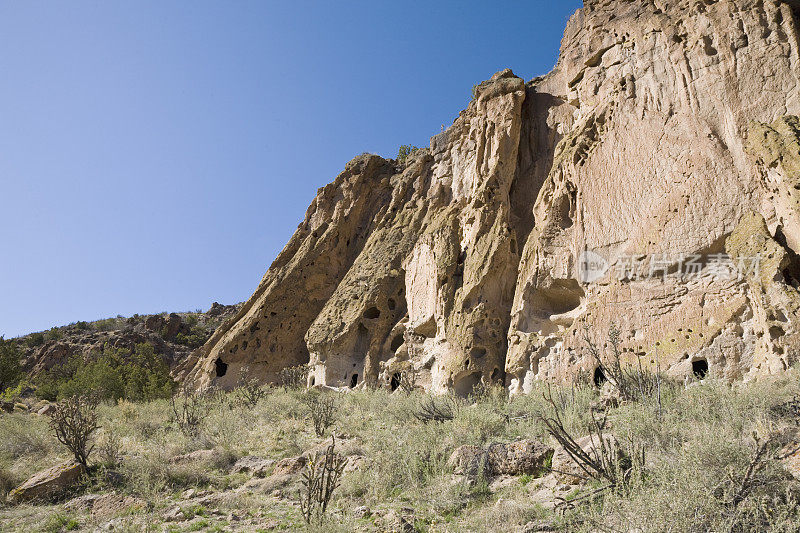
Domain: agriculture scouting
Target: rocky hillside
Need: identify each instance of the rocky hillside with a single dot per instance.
(647, 186)
(172, 335)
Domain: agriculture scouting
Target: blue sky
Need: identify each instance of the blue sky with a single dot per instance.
(156, 156)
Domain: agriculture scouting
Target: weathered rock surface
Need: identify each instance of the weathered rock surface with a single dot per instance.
(48, 483)
(511, 459)
(665, 136)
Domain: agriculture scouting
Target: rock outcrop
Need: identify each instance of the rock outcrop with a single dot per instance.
(173, 336)
(649, 182)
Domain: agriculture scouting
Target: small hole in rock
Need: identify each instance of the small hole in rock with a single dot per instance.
(372, 312)
(776, 332)
(221, 367)
(391, 304)
(354, 381)
(395, 381)
(478, 352)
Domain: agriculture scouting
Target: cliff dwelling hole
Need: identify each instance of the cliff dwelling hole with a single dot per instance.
(391, 304)
(478, 352)
(495, 374)
(354, 381)
(599, 377)
(220, 367)
(561, 297)
(395, 382)
(311, 381)
(397, 342)
(372, 313)
(466, 385)
(700, 368)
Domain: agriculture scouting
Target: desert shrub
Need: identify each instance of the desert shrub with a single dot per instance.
(404, 380)
(320, 480)
(189, 410)
(12, 394)
(74, 421)
(109, 447)
(7, 480)
(23, 437)
(294, 377)
(322, 409)
(58, 522)
(634, 382)
(249, 390)
(405, 151)
(10, 364)
(107, 324)
(35, 339)
(196, 337)
(140, 375)
(53, 334)
(436, 409)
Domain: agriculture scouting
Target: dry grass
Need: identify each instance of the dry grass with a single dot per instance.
(699, 443)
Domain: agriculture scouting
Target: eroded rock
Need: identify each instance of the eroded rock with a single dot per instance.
(658, 133)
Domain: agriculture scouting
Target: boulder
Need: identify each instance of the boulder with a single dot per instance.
(46, 409)
(253, 464)
(470, 461)
(49, 483)
(289, 466)
(519, 457)
(512, 459)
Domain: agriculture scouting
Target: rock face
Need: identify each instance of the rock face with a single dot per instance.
(610, 191)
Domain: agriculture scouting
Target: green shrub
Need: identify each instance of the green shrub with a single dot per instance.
(114, 374)
(35, 339)
(10, 366)
(406, 151)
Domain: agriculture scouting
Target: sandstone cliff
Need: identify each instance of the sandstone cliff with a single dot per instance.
(665, 137)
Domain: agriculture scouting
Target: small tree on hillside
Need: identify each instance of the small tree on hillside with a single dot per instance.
(73, 421)
(10, 367)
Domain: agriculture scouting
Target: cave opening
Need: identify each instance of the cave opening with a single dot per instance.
(700, 368)
(599, 377)
(220, 367)
(395, 382)
(354, 381)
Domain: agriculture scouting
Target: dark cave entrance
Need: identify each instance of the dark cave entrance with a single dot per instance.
(700, 368)
(220, 367)
(599, 377)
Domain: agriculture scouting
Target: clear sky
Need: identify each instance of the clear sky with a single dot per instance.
(156, 156)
